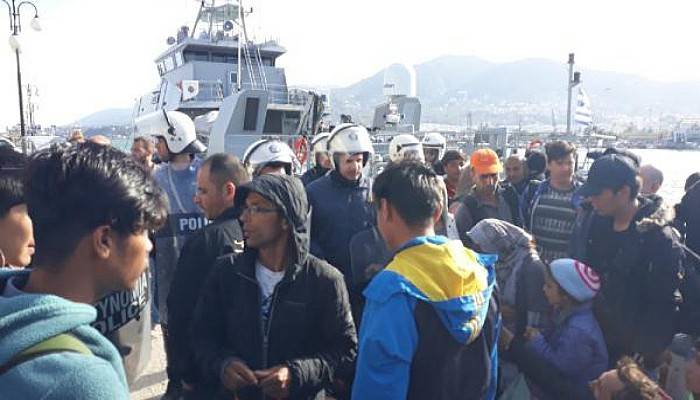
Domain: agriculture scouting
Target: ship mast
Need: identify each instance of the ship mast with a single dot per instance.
(240, 29)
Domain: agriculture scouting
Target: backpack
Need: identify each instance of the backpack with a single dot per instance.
(64, 342)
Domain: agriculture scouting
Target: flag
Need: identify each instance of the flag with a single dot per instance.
(583, 113)
(190, 89)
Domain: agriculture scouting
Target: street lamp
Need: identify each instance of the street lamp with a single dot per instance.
(16, 28)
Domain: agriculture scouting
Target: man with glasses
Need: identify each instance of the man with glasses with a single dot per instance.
(286, 330)
(487, 198)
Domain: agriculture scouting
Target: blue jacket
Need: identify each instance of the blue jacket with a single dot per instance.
(575, 345)
(430, 325)
(339, 210)
(29, 319)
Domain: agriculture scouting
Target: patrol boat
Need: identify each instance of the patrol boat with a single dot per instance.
(230, 85)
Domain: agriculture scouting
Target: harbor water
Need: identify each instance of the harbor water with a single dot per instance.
(676, 166)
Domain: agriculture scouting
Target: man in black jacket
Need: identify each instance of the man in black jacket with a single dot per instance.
(217, 180)
(274, 321)
(630, 242)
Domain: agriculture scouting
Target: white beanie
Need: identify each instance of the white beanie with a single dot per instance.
(576, 278)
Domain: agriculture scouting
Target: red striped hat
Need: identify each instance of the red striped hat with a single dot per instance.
(576, 278)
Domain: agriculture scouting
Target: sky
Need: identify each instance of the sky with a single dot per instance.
(97, 54)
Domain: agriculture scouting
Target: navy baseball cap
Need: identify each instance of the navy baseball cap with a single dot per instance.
(609, 172)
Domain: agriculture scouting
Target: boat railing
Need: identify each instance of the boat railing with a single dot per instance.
(208, 91)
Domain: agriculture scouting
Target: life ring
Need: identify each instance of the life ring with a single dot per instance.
(301, 149)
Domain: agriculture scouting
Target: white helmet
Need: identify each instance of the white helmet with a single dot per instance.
(267, 151)
(434, 140)
(175, 127)
(319, 144)
(405, 147)
(350, 139)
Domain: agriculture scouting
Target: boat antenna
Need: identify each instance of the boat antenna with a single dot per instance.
(199, 15)
(241, 28)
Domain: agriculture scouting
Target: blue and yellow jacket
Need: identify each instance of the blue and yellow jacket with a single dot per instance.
(430, 325)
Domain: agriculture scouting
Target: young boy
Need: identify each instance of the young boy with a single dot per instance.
(575, 345)
(92, 207)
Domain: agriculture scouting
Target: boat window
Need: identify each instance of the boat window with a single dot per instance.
(223, 58)
(250, 120)
(268, 62)
(178, 59)
(169, 64)
(234, 78)
(195, 56)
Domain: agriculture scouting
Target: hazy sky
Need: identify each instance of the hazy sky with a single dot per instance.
(95, 54)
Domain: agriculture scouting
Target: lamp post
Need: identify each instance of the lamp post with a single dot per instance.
(16, 27)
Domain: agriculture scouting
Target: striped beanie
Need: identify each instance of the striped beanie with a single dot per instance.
(576, 278)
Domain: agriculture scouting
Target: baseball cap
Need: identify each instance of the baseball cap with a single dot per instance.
(485, 161)
(451, 155)
(609, 172)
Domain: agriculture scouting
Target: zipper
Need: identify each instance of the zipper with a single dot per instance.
(265, 333)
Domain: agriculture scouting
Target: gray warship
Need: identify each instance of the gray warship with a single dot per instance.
(230, 85)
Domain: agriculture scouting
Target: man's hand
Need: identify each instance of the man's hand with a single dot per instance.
(275, 381)
(237, 375)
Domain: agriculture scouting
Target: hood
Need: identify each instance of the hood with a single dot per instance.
(499, 237)
(512, 244)
(288, 194)
(653, 213)
(456, 281)
(30, 319)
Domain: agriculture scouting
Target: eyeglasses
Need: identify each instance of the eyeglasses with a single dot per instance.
(253, 210)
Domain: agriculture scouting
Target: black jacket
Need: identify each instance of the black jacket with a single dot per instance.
(197, 258)
(640, 277)
(689, 217)
(310, 326)
(472, 211)
(313, 174)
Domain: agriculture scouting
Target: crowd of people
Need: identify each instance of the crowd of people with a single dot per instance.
(445, 276)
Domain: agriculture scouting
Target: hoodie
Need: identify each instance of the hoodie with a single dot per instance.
(430, 325)
(309, 325)
(29, 319)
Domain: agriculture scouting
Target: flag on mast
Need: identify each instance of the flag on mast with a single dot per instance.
(583, 113)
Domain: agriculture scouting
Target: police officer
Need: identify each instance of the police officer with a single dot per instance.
(340, 199)
(434, 147)
(321, 159)
(176, 145)
(270, 156)
(406, 147)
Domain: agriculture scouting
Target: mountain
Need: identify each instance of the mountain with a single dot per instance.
(452, 87)
(111, 116)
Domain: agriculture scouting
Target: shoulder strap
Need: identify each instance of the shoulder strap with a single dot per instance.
(64, 342)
